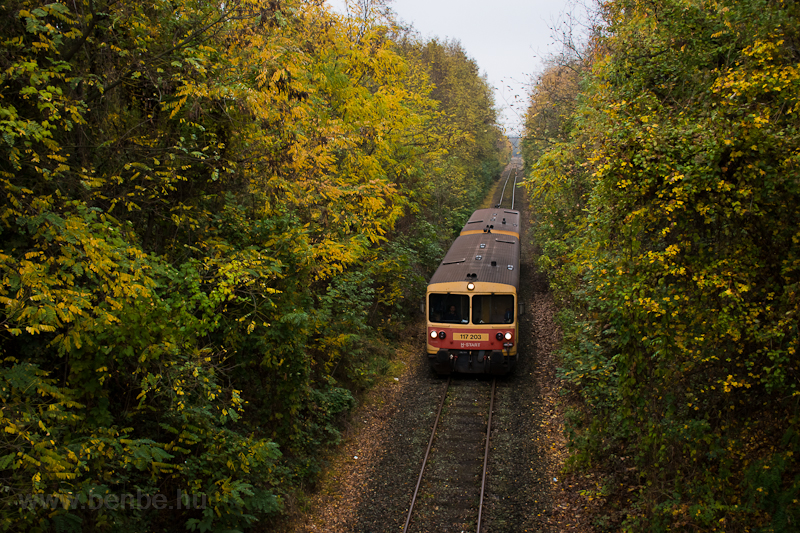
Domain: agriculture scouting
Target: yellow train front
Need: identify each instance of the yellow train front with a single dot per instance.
(472, 305)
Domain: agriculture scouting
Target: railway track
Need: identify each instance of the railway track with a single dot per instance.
(515, 173)
(450, 489)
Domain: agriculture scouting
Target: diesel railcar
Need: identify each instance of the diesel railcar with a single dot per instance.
(472, 303)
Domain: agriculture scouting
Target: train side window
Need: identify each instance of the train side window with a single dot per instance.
(448, 308)
(493, 309)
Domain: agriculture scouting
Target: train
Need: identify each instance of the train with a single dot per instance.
(472, 301)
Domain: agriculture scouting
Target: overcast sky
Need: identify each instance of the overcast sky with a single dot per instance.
(507, 39)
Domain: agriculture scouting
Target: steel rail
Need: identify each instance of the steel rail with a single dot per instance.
(503, 193)
(486, 453)
(427, 452)
(514, 189)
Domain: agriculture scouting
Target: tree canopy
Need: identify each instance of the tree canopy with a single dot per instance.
(667, 214)
(210, 212)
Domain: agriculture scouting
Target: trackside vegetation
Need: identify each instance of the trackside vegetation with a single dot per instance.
(666, 193)
(214, 219)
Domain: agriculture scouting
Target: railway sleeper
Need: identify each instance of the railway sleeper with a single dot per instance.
(472, 362)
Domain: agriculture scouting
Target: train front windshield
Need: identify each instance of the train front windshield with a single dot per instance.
(486, 308)
(449, 308)
(492, 309)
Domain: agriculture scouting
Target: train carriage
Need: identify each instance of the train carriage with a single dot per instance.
(495, 220)
(472, 305)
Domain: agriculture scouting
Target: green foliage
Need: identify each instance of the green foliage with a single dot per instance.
(668, 221)
(206, 213)
(466, 135)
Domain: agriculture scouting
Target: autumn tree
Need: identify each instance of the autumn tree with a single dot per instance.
(468, 141)
(680, 268)
(197, 205)
(554, 99)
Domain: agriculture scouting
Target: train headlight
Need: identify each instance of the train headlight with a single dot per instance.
(442, 335)
(499, 336)
(470, 286)
(434, 334)
(508, 336)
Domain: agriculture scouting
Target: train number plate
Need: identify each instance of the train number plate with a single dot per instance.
(471, 336)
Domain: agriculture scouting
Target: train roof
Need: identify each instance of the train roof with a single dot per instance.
(497, 219)
(481, 257)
